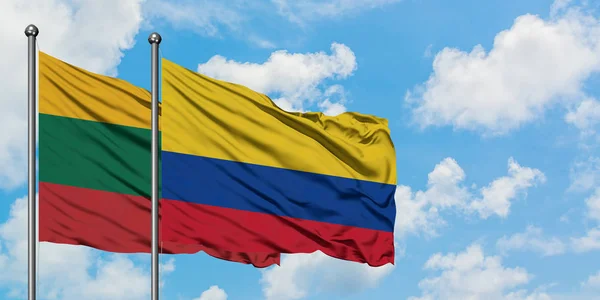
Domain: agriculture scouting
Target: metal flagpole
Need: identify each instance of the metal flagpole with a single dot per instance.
(31, 32)
(154, 39)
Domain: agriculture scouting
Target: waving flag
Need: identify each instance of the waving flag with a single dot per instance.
(239, 173)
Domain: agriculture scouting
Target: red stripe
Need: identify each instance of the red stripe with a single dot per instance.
(239, 230)
(119, 223)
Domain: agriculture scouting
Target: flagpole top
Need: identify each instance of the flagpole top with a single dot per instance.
(154, 38)
(31, 30)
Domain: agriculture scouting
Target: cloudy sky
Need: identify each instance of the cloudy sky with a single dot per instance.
(493, 108)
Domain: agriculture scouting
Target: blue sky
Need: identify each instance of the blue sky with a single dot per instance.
(493, 111)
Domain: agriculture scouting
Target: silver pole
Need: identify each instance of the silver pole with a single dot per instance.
(31, 32)
(154, 39)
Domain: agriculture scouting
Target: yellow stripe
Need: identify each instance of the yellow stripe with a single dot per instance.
(207, 117)
(69, 91)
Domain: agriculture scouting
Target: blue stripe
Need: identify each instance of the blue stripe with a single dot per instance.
(277, 191)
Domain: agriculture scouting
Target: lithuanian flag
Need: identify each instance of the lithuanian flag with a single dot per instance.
(95, 163)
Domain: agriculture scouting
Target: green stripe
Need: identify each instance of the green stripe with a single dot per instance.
(94, 155)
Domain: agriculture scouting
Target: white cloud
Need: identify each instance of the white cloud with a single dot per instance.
(533, 240)
(589, 242)
(213, 17)
(496, 196)
(559, 6)
(213, 293)
(301, 274)
(420, 211)
(296, 78)
(585, 175)
(593, 282)
(532, 66)
(70, 30)
(334, 101)
(90, 275)
(525, 295)
(472, 275)
(261, 42)
(415, 214)
(593, 206)
(210, 18)
(301, 11)
(117, 278)
(331, 109)
(585, 117)
(204, 16)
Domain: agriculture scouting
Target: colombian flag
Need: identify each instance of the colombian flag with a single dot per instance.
(241, 174)
(94, 166)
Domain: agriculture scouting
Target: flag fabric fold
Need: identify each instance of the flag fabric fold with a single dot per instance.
(239, 173)
(94, 166)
